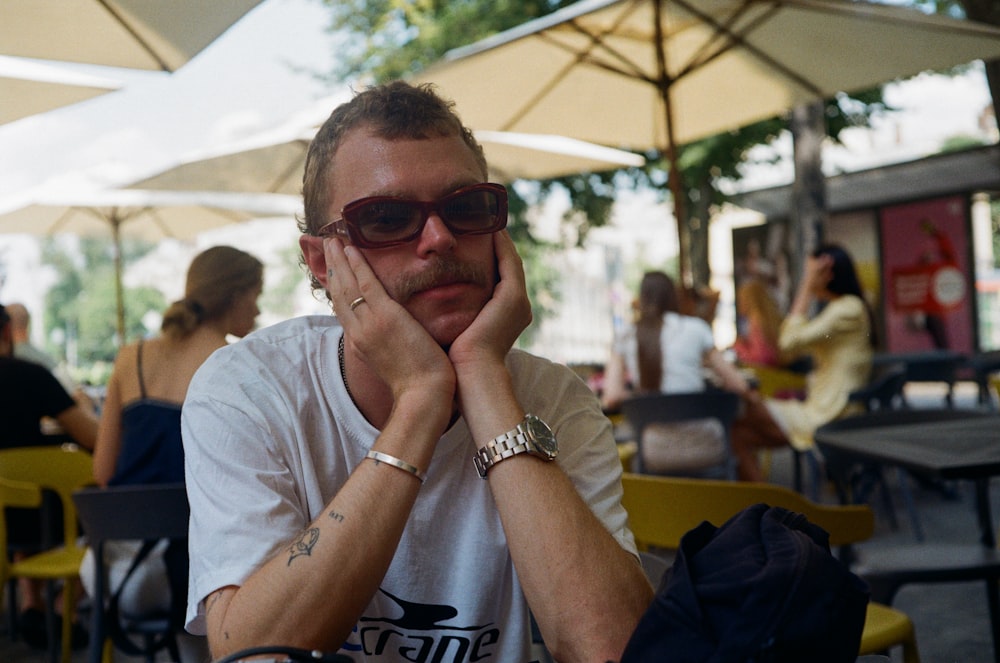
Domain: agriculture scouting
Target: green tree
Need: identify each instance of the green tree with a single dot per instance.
(80, 309)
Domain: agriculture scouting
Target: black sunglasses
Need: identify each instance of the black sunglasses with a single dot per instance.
(380, 221)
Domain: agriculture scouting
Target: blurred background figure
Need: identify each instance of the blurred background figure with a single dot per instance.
(20, 327)
(760, 320)
(139, 438)
(30, 393)
(665, 351)
(840, 339)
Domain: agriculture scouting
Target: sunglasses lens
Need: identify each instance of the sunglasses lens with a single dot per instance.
(473, 211)
(387, 220)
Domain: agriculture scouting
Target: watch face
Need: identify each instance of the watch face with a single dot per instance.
(542, 436)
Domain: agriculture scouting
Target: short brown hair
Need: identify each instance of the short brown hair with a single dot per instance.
(393, 111)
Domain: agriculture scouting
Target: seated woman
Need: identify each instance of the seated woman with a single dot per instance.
(668, 352)
(757, 343)
(139, 436)
(840, 339)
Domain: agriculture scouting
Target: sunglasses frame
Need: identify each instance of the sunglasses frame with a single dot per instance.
(346, 227)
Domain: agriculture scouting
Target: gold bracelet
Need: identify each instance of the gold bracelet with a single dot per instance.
(380, 457)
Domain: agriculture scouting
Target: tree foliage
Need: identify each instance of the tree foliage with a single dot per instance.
(387, 39)
(81, 308)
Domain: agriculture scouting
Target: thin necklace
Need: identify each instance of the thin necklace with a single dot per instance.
(343, 371)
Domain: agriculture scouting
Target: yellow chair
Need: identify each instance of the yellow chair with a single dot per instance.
(774, 382)
(62, 470)
(662, 509)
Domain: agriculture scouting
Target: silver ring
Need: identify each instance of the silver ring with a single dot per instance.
(357, 302)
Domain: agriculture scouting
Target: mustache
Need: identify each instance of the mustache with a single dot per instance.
(442, 271)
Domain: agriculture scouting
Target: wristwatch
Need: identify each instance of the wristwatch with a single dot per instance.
(531, 436)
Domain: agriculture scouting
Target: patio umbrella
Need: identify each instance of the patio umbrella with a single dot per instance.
(27, 88)
(654, 74)
(273, 161)
(149, 215)
(137, 34)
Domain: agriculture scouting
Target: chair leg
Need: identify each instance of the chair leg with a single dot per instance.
(12, 614)
(910, 504)
(993, 600)
(50, 621)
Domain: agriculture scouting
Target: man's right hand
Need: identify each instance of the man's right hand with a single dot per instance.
(386, 337)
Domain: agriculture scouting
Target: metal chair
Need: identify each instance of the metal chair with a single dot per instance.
(662, 509)
(128, 513)
(643, 410)
(60, 470)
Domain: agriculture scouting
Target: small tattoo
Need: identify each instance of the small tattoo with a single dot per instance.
(329, 273)
(225, 634)
(304, 545)
(339, 517)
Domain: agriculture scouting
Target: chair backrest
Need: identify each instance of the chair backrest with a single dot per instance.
(661, 509)
(885, 390)
(14, 494)
(62, 470)
(158, 511)
(645, 409)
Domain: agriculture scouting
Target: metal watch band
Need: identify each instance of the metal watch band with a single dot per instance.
(509, 444)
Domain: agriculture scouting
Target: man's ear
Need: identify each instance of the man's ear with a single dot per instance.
(314, 255)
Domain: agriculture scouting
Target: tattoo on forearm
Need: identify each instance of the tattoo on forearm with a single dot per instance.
(339, 517)
(304, 545)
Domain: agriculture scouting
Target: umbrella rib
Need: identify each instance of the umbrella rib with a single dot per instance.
(135, 35)
(628, 68)
(738, 40)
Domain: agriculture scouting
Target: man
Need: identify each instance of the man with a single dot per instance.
(20, 328)
(335, 504)
(29, 392)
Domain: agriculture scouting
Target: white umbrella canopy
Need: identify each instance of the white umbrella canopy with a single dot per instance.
(136, 34)
(653, 74)
(27, 88)
(274, 161)
(148, 215)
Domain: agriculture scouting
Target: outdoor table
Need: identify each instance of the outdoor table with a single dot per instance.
(938, 445)
(928, 366)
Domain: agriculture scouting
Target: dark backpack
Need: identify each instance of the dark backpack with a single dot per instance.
(763, 588)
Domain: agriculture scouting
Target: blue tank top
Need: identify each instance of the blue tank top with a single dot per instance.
(151, 449)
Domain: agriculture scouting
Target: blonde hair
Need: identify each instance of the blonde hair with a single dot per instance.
(754, 301)
(216, 277)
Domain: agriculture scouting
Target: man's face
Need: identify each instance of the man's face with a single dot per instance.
(443, 280)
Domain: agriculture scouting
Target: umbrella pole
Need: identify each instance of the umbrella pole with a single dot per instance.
(119, 291)
(674, 178)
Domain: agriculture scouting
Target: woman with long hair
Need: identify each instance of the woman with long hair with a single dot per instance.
(665, 351)
(840, 339)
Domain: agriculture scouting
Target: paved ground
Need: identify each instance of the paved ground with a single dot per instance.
(951, 620)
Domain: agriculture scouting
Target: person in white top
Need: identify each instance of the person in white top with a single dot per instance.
(380, 483)
(667, 352)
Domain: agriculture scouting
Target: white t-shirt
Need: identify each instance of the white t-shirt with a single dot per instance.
(271, 435)
(684, 340)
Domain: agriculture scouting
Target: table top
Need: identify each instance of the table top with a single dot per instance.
(961, 446)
